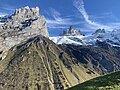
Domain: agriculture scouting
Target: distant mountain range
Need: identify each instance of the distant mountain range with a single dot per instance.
(99, 51)
(110, 37)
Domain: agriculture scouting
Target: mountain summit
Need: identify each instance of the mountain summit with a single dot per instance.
(27, 12)
(20, 26)
(99, 31)
(71, 31)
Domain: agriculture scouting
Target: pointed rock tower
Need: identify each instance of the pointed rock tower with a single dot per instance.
(20, 26)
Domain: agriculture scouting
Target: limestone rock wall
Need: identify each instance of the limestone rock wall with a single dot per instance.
(20, 26)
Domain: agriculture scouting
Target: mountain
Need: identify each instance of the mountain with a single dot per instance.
(29, 60)
(107, 82)
(111, 37)
(20, 26)
(99, 51)
(39, 64)
(70, 36)
(71, 31)
(102, 59)
(3, 19)
(98, 31)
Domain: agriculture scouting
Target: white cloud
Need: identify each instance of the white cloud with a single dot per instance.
(3, 14)
(8, 7)
(79, 5)
(57, 21)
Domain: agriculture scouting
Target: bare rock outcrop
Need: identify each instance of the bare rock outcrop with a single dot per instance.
(71, 31)
(20, 26)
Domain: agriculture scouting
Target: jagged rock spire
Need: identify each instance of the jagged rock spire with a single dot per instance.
(27, 10)
(71, 31)
(20, 26)
(98, 31)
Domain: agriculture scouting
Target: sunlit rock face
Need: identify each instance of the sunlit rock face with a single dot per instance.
(20, 26)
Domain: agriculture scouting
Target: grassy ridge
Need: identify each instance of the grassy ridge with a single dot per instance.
(107, 82)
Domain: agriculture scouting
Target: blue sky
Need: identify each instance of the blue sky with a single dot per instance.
(9, 6)
(86, 15)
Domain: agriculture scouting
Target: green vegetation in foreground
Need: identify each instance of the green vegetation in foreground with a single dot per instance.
(106, 82)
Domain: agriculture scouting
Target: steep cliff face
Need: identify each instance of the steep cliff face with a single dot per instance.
(39, 64)
(20, 26)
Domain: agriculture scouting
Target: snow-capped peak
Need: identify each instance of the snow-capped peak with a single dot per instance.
(71, 36)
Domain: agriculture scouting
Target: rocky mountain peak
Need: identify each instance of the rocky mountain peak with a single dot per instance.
(25, 23)
(98, 31)
(71, 31)
(27, 12)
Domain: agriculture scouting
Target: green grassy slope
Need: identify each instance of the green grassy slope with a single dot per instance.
(107, 82)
